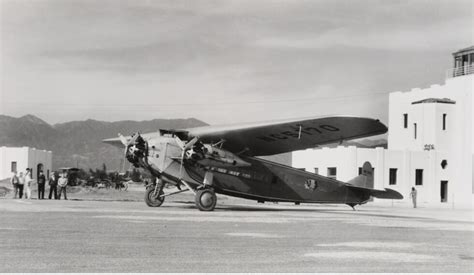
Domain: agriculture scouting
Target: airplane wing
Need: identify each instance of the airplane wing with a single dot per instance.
(276, 137)
(270, 138)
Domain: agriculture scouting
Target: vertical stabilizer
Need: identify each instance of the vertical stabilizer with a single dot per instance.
(366, 178)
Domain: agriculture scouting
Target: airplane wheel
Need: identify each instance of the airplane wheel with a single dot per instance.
(153, 200)
(206, 200)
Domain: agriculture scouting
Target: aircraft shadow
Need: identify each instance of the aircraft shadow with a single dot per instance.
(262, 208)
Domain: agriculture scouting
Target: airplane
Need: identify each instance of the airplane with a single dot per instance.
(212, 160)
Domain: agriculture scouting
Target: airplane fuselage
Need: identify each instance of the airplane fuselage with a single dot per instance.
(268, 181)
(248, 177)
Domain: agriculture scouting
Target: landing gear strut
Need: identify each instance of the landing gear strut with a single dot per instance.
(206, 199)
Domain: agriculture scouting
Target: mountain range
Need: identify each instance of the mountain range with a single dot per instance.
(79, 143)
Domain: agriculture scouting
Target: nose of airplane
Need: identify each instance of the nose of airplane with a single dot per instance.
(135, 148)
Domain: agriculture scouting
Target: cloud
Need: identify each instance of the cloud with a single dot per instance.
(414, 38)
(179, 52)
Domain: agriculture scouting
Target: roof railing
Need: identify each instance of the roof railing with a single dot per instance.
(460, 71)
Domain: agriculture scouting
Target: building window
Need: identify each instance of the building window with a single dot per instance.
(14, 166)
(419, 177)
(444, 163)
(444, 122)
(405, 121)
(392, 176)
(414, 127)
(332, 172)
(316, 170)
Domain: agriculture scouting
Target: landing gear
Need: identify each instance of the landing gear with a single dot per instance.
(153, 196)
(206, 199)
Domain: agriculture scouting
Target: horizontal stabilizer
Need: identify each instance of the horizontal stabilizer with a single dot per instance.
(379, 194)
(386, 194)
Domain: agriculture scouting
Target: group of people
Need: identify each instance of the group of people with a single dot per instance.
(22, 184)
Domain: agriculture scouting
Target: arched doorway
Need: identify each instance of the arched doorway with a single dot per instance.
(39, 168)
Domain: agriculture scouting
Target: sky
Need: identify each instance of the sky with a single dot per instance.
(222, 61)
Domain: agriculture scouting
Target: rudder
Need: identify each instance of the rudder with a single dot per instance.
(366, 178)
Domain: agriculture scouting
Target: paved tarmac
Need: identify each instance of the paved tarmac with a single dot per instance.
(239, 236)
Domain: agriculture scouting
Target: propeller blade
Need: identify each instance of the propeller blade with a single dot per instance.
(180, 143)
(134, 138)
(123, 140)
(191, 143)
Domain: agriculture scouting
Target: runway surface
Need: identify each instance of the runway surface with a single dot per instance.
(240, 236)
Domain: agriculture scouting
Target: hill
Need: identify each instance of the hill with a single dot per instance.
(80, 142)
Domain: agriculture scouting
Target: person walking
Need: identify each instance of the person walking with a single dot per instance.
(21, 184)
(28, 181)
(41, 184)
(14, 181)
(413, 196)
(62, 183)
(53, 186)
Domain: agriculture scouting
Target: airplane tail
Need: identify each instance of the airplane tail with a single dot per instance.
(366, 178)
(365, 181)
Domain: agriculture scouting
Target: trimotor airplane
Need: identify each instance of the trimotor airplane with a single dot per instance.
(223, 159)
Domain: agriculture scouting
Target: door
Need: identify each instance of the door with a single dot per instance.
(444, 191)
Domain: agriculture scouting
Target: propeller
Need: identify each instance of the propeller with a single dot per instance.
(130, 148)
(184, 147)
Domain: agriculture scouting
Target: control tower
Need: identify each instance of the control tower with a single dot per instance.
(463, 62)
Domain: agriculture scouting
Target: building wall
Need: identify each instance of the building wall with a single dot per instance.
(405, 153)
(348, 160)
(25, 157)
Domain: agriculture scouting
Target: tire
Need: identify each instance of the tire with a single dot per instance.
(151, 200)
(206, 199)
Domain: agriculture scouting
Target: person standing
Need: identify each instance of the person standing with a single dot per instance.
(62, 183)
(41, 184)
(14, 181)
(413, 196)
(21, 184)
(28, 181)
(53, 186)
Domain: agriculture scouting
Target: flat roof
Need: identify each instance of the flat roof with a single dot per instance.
(435, 100)
(464, 51)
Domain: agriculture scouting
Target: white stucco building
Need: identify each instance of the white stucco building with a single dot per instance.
(430, 143)
(19, 158)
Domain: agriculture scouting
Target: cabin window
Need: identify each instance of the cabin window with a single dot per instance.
(332, 172)
(419, 177)
(405, 121)
(444, 122)
(13, 166)
(316, 170)
(414, 127)
(392, 176)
